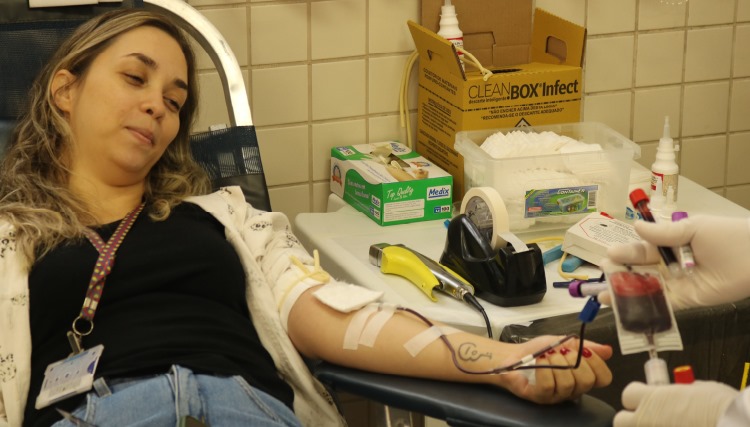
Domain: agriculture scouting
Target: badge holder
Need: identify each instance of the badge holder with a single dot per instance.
(73, 375)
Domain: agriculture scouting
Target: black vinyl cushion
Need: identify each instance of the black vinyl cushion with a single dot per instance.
(231, 156)
(464, 404)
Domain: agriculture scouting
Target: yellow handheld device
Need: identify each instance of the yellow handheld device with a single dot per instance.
(425, 273)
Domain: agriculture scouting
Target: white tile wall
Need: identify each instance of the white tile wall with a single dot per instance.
(278, 33)
(709, 53)
(741, 66)
(660, 58)
(322, 73)
(707, 12)
(339, 89)
(654, 14)
(336, 21)
(609, 63)
(611, 16)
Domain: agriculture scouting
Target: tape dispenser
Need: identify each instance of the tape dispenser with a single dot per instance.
(479, 247)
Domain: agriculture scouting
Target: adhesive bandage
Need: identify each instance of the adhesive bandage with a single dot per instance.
(375, 325)
(415, 345)
(357, 325)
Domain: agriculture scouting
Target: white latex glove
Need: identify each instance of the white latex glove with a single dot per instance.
(721, 247)
(700, 404)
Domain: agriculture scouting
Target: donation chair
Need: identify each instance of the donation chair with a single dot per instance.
(231, 157)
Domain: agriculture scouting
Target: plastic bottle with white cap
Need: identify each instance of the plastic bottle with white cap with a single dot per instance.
(665, 169)
(449, 29)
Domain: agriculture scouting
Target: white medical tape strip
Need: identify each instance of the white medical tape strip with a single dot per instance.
(356, 326)
(415, 345)
(518, 244)
(529, 373)
(497, 209)
(375, 325)
(290, 298)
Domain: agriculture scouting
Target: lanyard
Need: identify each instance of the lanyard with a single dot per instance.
(84, 323)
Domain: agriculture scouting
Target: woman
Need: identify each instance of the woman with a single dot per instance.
(210, 302)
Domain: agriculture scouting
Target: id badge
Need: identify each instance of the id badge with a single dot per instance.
(68, 377)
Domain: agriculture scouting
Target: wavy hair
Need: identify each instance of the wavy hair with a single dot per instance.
(34, 193)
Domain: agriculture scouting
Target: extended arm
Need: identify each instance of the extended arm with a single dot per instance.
(319, 332)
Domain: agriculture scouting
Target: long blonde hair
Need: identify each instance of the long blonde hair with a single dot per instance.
(34, 193)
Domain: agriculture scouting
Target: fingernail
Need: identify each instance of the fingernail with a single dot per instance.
(541, 356)
(586, 352)
(564, 351)
(551, 351)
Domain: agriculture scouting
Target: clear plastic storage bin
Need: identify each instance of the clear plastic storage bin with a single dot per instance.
(554, 190)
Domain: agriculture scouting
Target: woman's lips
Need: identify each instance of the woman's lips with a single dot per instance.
(142, 134)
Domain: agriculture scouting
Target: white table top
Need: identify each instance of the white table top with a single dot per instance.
(343, 239)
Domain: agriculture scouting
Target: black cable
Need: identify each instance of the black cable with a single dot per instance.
(521, 364)
(472, 300)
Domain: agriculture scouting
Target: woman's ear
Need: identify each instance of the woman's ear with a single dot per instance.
(61, 88)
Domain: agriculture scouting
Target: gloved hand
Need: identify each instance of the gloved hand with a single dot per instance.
(700, 404)
(721, 247)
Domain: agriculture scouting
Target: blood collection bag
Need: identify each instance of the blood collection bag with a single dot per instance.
(643, 314)
(640, 302)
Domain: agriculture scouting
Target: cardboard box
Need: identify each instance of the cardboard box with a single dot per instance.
(391, 183)
(536, 76)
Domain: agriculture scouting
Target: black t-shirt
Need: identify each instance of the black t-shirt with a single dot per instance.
(176, 295)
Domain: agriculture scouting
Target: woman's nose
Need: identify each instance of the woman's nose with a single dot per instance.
(153, 104)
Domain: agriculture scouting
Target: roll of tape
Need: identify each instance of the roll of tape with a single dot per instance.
(486, 209)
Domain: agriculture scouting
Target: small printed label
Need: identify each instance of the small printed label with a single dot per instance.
(346, 151)
(441, 192)
(408, 209)
(560, 201)
(375, 201)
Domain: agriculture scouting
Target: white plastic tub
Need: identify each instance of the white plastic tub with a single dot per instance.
(532, 186)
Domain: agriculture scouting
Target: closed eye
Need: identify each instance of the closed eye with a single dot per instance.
(134, 79)
(174, 105)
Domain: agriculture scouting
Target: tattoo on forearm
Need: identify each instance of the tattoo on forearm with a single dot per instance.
(468, 351)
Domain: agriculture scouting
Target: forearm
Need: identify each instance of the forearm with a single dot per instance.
(319, 332)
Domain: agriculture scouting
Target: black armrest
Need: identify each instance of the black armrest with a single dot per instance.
(462, 404)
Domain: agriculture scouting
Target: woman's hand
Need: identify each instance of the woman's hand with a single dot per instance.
(557, 385)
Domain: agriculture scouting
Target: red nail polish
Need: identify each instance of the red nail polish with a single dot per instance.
(586, 352)
(564, 351)
(551, 351)
(541, 356)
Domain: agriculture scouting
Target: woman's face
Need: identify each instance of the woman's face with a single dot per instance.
(124, 111)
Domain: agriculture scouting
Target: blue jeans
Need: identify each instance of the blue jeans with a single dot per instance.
(162, 400)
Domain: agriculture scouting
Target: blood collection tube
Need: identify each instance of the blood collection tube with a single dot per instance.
(640, 200)
(687, 261)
